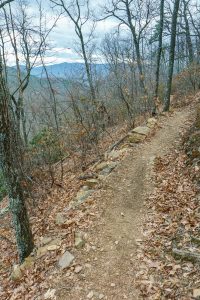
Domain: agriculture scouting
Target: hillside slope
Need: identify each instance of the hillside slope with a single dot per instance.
(90, 251)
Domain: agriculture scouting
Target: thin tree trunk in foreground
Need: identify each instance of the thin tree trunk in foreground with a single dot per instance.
(11, 164)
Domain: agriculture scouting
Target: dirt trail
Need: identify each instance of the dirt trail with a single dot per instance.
(109, 264)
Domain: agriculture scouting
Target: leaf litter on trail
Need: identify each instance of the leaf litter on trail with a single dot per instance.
(173, 219)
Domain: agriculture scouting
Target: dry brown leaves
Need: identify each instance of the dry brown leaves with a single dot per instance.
(37, 280)
(173, 218)
(48, 202)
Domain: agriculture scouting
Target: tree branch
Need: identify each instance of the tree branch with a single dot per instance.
(5, 2)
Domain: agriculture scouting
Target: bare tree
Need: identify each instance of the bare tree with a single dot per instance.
(171, 54)
(160, 42)
(11, 159)
(187, 31)
(2, 4)
(79, 13)
(118, 54)
(28, 42)
(136, 15)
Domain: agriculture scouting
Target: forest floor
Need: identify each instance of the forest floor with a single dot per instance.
(127, 228)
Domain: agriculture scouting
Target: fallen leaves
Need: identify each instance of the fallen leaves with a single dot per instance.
(172, 220)
(51, 241)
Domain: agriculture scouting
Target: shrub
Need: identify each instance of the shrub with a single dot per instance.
(47, 147)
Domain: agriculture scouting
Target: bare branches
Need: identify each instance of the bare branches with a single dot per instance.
(5, 2)
(80, 17)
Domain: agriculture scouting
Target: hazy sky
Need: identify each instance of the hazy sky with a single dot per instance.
(64, 40)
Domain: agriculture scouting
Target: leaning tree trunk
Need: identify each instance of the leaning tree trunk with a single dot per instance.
(11, 164)
(171, 55)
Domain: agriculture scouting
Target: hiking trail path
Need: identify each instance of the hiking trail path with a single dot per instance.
(110, 261)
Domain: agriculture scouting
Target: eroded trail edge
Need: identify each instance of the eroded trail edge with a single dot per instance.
(109, 259)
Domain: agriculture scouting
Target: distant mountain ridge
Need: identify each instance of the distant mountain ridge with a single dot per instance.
(67, 70)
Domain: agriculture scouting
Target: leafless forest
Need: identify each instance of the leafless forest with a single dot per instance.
(49, 125)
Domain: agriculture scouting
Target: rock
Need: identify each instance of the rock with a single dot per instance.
(113, 285)
(53, 247)
(101, 296)
(91, 183)
(65, 260)
(28, 263)
(78, 269)
(56, 242)
(152, 122)
(90, 295)
(106, 167)
(125, 147)
(138, 134)
(85, 188)
(114, 155)
(41, 251)
(196, 293)
(136, 138)
(143, 130)
(60, 219)
(106, 171)
(101, 166)
(110, 166)
(83, 195)
(90, 175)
(102, 177)
(50, 294)
(18, 270)
(16, 273)
(49, 247)
(79, 241)
(46, 240)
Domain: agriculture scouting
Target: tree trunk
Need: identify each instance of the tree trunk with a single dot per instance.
(23, 234)
(171, 55)
(25, 135)
(11, 164)
(137, 49)
(160, 41)
(187, 32)
(87, 67)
